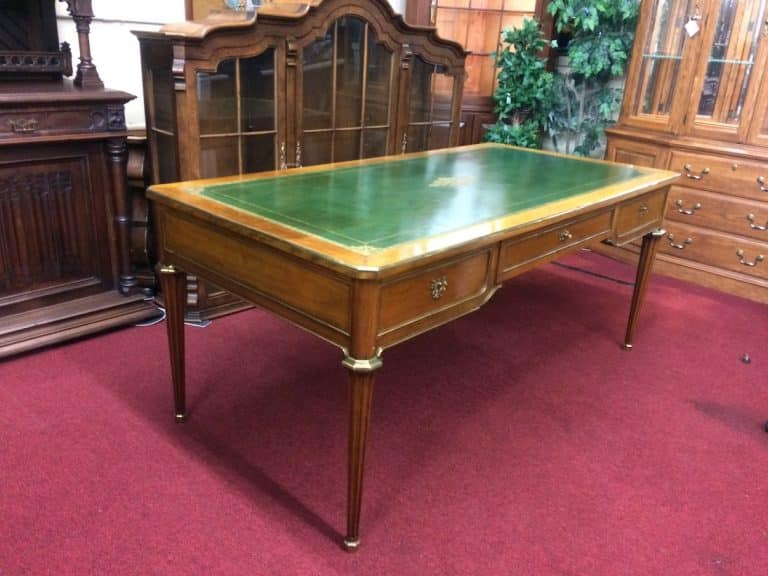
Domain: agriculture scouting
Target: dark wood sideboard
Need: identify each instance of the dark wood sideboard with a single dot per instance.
(65, 230)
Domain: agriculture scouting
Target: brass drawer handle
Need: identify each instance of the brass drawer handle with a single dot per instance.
(23, 125)
(751, 219)
(643, 210)
(740, 254)
(438, 286)
(689, 174)
(564, 236)
(691, 212)
(761, 183)
(678, 246)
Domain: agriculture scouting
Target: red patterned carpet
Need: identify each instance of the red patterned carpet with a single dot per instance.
(518, 440)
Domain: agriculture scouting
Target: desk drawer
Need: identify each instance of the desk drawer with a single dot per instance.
(437, 290)
(638, 216)
(38, 122)
(522, 253)
(722, 174)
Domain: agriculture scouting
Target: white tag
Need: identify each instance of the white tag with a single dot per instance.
(692, 27)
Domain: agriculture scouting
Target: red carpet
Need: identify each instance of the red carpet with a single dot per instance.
(518, 440)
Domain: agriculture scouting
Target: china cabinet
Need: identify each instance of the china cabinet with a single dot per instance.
(695, 103)
(64, 230)
(286, 85)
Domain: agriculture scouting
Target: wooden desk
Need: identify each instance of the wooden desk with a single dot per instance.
(368, 254)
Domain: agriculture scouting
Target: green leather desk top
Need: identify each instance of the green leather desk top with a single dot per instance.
(379, 205)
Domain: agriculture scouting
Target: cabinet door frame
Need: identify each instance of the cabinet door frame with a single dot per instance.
(188, 63)
(740, 131)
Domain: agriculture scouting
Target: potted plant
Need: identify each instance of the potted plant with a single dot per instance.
(597, 37)
(523, 96)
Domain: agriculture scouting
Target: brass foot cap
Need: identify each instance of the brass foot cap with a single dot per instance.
(180, 418)
(350, 545)
(627, 346)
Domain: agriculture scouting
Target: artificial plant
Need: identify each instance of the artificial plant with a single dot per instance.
(599, 37)
(523, 96)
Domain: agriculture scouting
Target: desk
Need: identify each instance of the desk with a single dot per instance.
(367, 254)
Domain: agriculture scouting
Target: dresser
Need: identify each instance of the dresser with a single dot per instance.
(65, 268)
(695, 102)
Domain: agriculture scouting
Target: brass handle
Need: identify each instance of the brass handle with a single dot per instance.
(755, 262)
(404, 145)
(679, 204)
(283, 157)
(689, 174)
(298, 154)
(751, 219)
(565, 235)
(643, 209)
(761, 183)
(437, 287)
(23, 125)
(682, 246)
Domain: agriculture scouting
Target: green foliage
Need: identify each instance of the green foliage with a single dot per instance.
(523, 95)
(600, 41)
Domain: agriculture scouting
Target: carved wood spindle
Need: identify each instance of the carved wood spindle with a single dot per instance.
(82, 13)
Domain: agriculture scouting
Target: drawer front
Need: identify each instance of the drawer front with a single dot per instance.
(719, 212)
(748, 179)
(710, 247)
(436, 290)
(639, 215)
(51, 122)
(518, 253)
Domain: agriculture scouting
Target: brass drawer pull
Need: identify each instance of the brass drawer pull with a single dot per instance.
(761, 183)
(751, 219)
(740, 254)
(643, 210)
(564, 236)
(678, 246)
(691, 212)
(438, 286)
(23, 125)
(692, 176)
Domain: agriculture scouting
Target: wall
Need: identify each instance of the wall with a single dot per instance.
(115, 49)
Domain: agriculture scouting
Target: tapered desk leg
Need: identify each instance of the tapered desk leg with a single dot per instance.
(360, 402)
(644, 265)
(174, 286)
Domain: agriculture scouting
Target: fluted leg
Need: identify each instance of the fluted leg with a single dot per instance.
(174, 286)
(644, 265)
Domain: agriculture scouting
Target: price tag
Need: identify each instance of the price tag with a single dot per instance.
(692, 28)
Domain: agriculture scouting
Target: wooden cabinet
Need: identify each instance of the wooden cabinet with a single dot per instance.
(64, 230)
(695, 103)
(293, 85)
(477, 25)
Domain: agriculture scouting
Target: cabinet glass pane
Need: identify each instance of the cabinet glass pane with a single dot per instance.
(217, 102)
(375, 143)
(378, 84)
(731, 60)
(259, 153)
(346, 146)
(425, 78)
(316, 148)
(318, 82)
(662, 55)
(163, 110)
(257, 92)
(349, 71)
(218, 157)
(167, 165)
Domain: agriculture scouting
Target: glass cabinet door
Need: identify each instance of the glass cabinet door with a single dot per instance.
(661, 58)
(730, 62)
(429, 112)
(237, 116)
(347, 95)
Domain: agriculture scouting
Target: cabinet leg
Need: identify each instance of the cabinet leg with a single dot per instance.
(174, 286)
(360, 402)
(644, 265)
